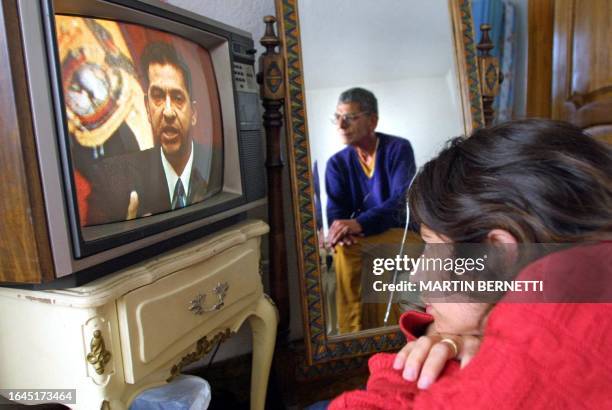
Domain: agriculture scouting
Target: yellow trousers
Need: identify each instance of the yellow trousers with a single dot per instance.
(353, 314)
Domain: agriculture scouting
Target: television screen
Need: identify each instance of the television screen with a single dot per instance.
(147, 126)
(144, 119)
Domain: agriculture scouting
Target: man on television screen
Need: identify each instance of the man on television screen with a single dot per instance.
(175, 178)
(177, 171)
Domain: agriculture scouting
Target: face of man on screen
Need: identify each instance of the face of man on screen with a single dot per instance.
(172, 113)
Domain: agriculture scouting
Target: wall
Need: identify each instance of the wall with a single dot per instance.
(244, 14)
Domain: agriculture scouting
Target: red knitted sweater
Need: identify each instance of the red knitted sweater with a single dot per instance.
(533, 356)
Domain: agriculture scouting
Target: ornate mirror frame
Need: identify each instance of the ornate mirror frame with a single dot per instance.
(319, 347)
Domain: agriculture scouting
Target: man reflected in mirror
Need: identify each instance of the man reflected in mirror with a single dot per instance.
(366, 183)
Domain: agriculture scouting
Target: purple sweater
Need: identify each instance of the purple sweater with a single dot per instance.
(378, 203)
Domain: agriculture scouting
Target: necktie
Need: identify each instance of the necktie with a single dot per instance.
(179, 199)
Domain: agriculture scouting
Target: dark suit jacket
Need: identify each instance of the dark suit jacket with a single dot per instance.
(152, 186)
(143, 172)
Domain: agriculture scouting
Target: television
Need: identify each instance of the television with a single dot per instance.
(146, 124)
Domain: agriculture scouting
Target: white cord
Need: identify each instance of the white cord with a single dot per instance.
(401, 255)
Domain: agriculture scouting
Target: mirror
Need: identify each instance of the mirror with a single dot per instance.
(419, 60)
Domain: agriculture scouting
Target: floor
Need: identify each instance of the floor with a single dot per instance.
(230, 384)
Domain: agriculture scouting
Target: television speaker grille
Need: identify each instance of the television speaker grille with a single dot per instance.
(252, 147)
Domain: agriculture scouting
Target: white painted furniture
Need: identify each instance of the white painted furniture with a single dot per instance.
(134, 329)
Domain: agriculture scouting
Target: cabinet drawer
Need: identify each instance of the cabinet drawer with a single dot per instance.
(155, 321)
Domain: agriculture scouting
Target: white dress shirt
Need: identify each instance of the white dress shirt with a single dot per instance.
(172, 177)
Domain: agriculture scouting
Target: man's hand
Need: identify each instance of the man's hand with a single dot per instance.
(349, 240)
(424, 359)
(343, 231)
(132, 210)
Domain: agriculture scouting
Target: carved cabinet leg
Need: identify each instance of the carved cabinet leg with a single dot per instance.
(263, 325)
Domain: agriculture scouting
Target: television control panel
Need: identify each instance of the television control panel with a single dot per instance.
(247, 89)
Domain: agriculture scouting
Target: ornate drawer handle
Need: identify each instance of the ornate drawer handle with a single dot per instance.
(99, 356)
(220, 290)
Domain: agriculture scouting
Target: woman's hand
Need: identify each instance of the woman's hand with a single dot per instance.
(423, 359)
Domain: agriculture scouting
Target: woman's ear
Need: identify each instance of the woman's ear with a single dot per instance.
(498, 236)
(373, 122)
(507, 245)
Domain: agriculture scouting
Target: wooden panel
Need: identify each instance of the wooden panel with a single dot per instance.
(582, 76)
(540, 56)
(24, 247)
(601, 132)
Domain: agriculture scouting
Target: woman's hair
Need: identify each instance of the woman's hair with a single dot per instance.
(543, 181)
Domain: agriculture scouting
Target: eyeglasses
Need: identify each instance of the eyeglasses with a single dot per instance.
(347, 118)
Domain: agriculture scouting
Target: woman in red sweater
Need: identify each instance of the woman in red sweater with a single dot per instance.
(531, 181)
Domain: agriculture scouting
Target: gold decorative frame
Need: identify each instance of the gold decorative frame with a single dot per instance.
(203, 347)
(319, 347)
